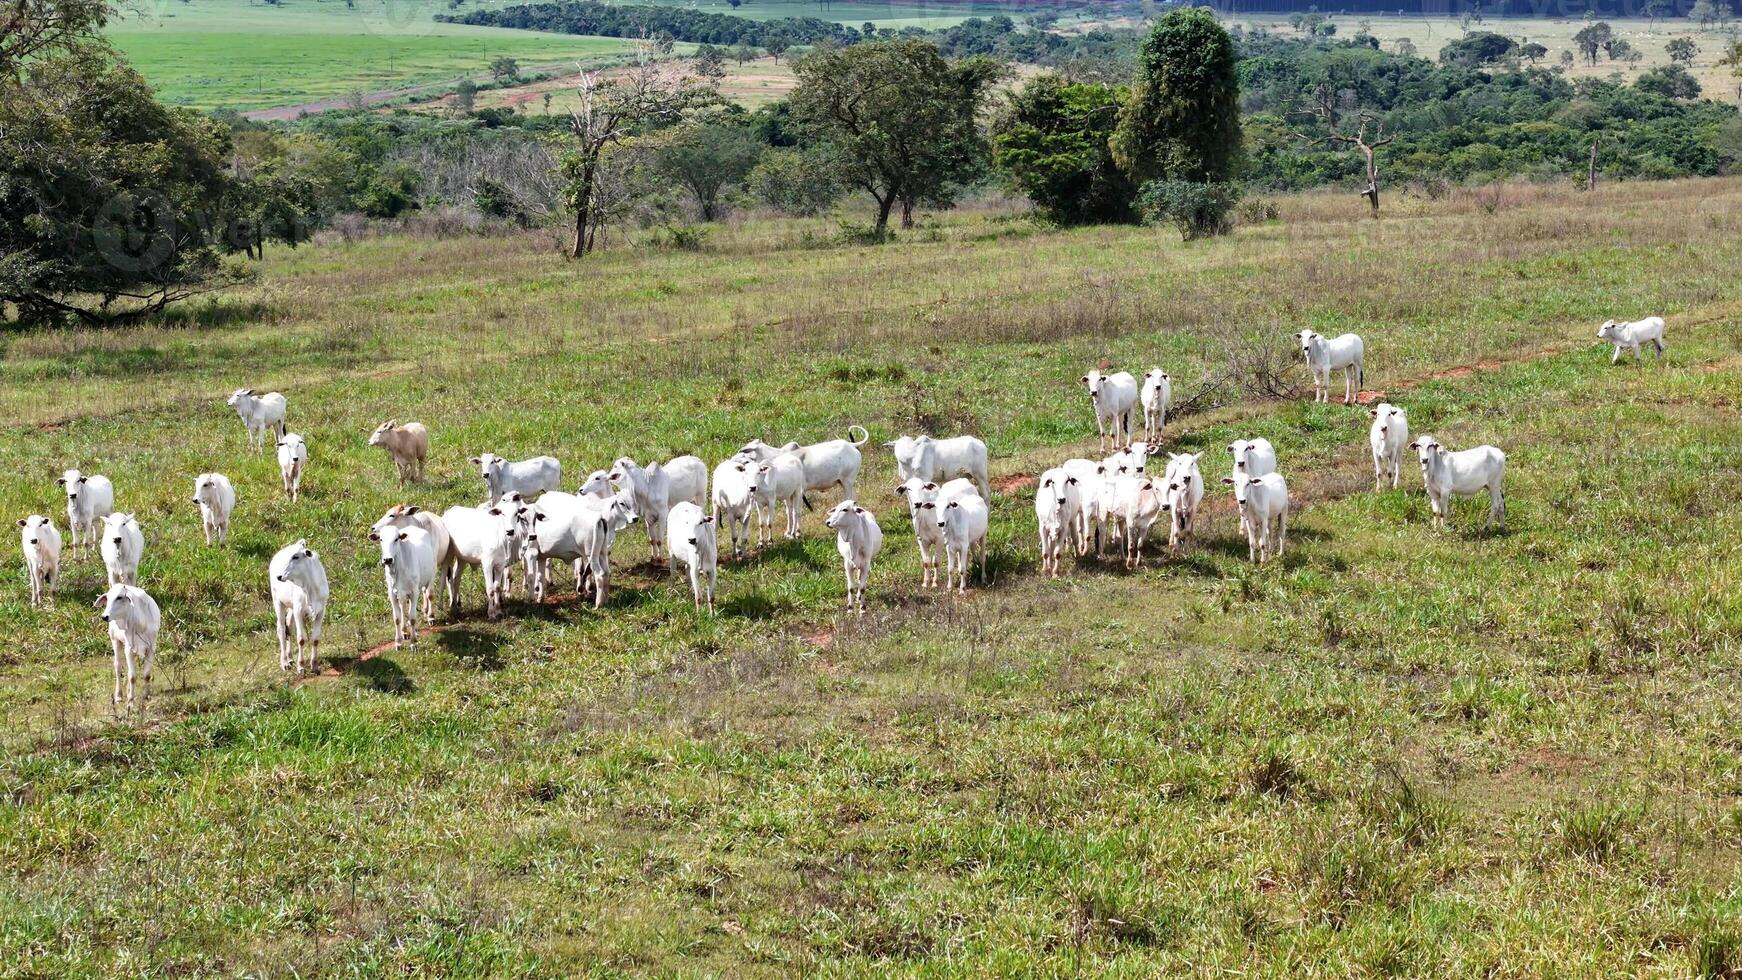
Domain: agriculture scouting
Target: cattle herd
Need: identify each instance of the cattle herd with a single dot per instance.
(527, 520)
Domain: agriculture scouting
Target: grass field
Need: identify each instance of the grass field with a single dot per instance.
(1430, 34)
(1394, 751)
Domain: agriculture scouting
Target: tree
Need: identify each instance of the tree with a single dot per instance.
(465, 96)
(664, 42)
(608, 110)
(1051, 144)
(1196, 209)
(1182, 119)
(1533, 52)
(744, 52)
(710, 63)
(1682, 50)
(799, 182)
(903, 119)
(504, 69)
(1704, 11)
(706, 157)
(1618, 50)
(776, 43)
(1733, 60)
(32, 27)
(1477, 49)
(1567, 58)
(1593, 38)
(1325, 108)
(1669, 81)
(1404, 47)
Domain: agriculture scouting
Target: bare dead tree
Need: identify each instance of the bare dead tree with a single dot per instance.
(1324, 107)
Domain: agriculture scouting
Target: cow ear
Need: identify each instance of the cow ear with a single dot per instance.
(1254, 481)
(22, 523)
(858, 510)
(928, 505)
(1373, 413)
(496, 511)
(1164, 376)
(1228, 480)
(1101, 469)
(102, 599)
(412, 510)
(476, 461)
(84, 480)
(931, 486)
(708, 519)
(901, 489)
(1083, 380)
(1071, 480)
(1416, 444)
(402, 536)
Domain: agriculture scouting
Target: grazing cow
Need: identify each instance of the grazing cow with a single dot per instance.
(408, 444)
(1113, 397)
(292, 460)
(1058, 505)
(1183, 491)
(488, 538)
(89, 500)
(411, 515)
(858, 539)
(1157, 395)
(216, 498)
(779, 480)
(1324, 355)
(260, 413)
(925, 500)
(408, 566)
(733, 501)
(299, 604)
(963, 522)
(1462, 474)
(937, 460)
(529, 477)
(134, 621)
(41, 541)
(122, 546)
(1263, 500)
(1629, 336)
(834, 462)
(691, 540)
(1388, 437)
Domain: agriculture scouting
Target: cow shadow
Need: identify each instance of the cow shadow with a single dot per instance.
(383, 675)
(478, 649)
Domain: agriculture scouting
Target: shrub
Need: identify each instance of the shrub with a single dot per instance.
(796, 182)
(1197, 210)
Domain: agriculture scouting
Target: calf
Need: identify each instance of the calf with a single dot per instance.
(1058, 505)
(780, 479)
(487, 538)
(260, 413)
(409, 568)
(924, 502)
(1157, 395)
(134, 621)
(963, 522)
(408, 444)
(1462, 474)
(1324, 355)
(690, 539)
(858, 539)
(216, 498)
(89, 500)
(1629, 336)
(733, 501)
(1183, 493)
(834, 462)
(937, 460)
(41, 541)
(299, 604)
(292, 460)
(529, 477)
(122, 546)
(1263, 500)
(1388, 437)
(411, 515)
(1113, 397)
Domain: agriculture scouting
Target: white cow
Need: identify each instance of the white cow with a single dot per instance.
(1629, 336)
(834, 462)
(779, 480)
(657, 487)
(1263, 501)
(488, 538)
(1058, 504)
(292, 460)
(1113, 397)
(529, 477)
(122, 546)
(1143, 507)
(1462, 474)
(1388, 437)
(134, 621)
(733, 500)
(937, 460)
(579, 530)
(1252, 457)
(925, 500)
(1324, 355)
(411, 515)
(691, 540)
(963, 522)
(260, 413)
(89, 500)
(298, 582)
(1133, 460)
(1090, 476)
(409, 569)
(1183, 491)
(858, 539)
(41, 541)
(408, 444)
(597, 484)
(1157, 395)
(216, 498)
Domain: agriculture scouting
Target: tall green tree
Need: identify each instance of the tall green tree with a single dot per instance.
(903, 119)
(1051, 144)
(706, 157)
(1182, 120)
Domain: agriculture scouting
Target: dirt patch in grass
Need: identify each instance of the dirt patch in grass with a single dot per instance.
(1014, 483)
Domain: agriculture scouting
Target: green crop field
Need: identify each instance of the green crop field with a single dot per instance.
(1392, 751)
